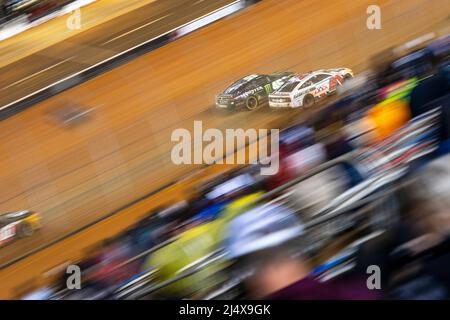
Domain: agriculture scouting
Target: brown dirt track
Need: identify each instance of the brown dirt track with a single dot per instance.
(74, 176)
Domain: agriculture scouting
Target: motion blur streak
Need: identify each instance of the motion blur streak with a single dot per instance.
(76, 175)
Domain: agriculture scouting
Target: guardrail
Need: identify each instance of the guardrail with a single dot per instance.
(120, 58)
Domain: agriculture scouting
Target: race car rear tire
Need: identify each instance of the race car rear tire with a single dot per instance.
(252, 103)
(308, 101)
(25, 230)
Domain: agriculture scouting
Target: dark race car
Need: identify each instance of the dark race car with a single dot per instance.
(251, 91)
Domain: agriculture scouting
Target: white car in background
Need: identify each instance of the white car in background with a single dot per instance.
(18, 224)
(304, 90)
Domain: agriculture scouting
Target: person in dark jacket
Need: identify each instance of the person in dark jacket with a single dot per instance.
(414, 255)
(281, 275)
(265, 243)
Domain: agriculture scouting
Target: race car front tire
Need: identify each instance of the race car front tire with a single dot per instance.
(252, 103)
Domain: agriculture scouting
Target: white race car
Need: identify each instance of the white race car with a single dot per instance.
(18, 224)
(305, 89)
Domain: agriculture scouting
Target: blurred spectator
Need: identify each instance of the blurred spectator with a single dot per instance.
(431, 89)
(313, 194)
(388, 116)
(428, 201)
(282, 276)
(414, 256)
(266, 244)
